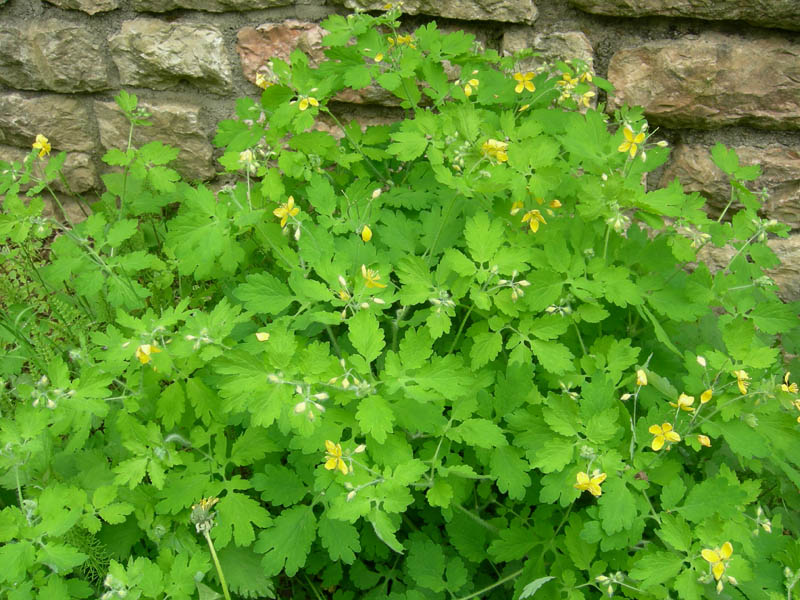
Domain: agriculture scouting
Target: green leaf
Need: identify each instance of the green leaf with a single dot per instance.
(712, 496)
(408, 145)
(478, 432)
(485, 348)
(656, 568)
(263, 293)
(237, 515)
(375, 417)
(511, 471)
(440, 494)
(513, 543)
(554, 455)
(426, 563)
(484, 238)
(366, 335)
(675, 531)
(617, 506)
(553, 356)
(385, 529)
(287, 543)
(244, 574)
(339, 538)
(280, 485)
(171, 404)
(775, 317)
(531, 588)
(60, 557)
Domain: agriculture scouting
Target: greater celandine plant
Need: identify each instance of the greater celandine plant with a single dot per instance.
(464, 355)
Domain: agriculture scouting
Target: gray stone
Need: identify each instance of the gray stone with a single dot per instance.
(53, 55)
(159, 55)
(510, 11)
(782, 14)
(711, 80)
(78, 169)
(780, 176)
(174, 124)
(63, 120)
(91, 7)
(786, 275)
(206, 5)
(552, 47)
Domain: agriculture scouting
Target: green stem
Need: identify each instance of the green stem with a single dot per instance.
(218, 566)
(477, 519)
(497, 583)
(355, 145)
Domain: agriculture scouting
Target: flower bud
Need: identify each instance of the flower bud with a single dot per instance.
(379, 301)
(360, 448)
(701, 361)
(297, 235)
(300, 407)
(376, 192)
(321, 396)
(342, 281)
(364, 305)
(662, 144)
(351, 495)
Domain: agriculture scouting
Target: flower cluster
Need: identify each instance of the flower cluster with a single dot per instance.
(495, 149)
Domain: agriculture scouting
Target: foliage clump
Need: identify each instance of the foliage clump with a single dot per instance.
(451, 357)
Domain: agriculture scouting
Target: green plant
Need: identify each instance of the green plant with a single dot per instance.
(449, 357)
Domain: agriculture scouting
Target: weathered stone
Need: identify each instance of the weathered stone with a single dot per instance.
(771, 13)
(206, 5)
(174, 124)
(256, 46)
(53, 55)
(711, 80)
(91, 7)
(159, 55)
(511, 11)
(780, 176)
(786, 276)
(78, 169)
(552, 47)
(63, 120)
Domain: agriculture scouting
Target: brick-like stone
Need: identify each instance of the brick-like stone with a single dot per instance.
(91, 7)
(786, 275)
(782, 14)
(78, 169)
(174, 124)
(711, 80)
(256, 46)
(53, 55)
(780, 176)
(152, 53)
(63, 120)
(207, 5)
(566, 45)
(509, 11)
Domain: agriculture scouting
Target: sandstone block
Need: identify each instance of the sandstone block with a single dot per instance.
(152, 53)
(770, 13)
(206, 5)
(256, 46)
(91, 7)
(174, 124)
(53, 55)
(63, 120)
(710, 81)
(554, 46)
(510, 11)
(78, 169)
(780, 176)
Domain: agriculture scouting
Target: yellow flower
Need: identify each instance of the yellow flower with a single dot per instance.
(144, 351)
(662, 433)
(524, 82)
(706, 396)
(704, 440)
(333, 458)
(307, 101)
(246, 157)
(343, 295)
(555, 203)
(262, 81)
(524, 107)
(590, 484)
(797, 406)
(379, 57)
(684, 403)
(533, 217)
(586, 99)
(471, 84)
(371, 278)
(366, 233)
(568, 81)
(641, 377)
(586, 76)
(286, 210)
(496, 149)
(262, 336)
(718, 558)
(516, 207)
(42, 144)
(790, 388)
(742, 380)
(631, 141)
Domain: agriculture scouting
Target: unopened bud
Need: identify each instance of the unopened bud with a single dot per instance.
(300, 407)
(298, 390)
(272, 378)
(321, 396)
(351, 495)
(662, 144)
(502, 281)
(376, 192)
(379, 301)
(701, 361)
(625, 397)
(297, 235)
(360, 448)
(364, 305)
(356, 381)
(345, 383)
(524, 282)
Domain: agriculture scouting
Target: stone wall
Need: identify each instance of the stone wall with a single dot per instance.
(704, 71)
